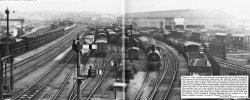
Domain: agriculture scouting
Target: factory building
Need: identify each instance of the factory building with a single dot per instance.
(207, 18)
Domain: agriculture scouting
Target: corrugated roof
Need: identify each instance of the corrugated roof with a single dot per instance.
(180, 14)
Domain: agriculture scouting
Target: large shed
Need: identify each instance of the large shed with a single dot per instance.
(208, 18)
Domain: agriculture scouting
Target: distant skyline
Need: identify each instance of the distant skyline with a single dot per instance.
(99, 6)
(238, 8)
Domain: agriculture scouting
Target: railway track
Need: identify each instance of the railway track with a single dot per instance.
(165, 84)
(57, 84)
(164, 79)
(25, 67)
(73, 91)
(20, 63)
(152, 78)
(84, 83)
(38, 86)
(89, 85)
(26, 70)
(100, 80)
(64, 84)
(139, 94)
(88, 81)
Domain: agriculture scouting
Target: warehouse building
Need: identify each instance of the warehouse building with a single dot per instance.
(208, 18)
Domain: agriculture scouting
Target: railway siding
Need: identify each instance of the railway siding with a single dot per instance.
(175, 93)
(36, 51)
(136, 84)
(34, 75)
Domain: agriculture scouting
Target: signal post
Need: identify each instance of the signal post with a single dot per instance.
(6, 86)
(76, 46)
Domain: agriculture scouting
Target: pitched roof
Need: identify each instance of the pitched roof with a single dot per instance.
(180, 14)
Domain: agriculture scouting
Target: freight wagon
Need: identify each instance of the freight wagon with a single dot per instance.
(32, 40)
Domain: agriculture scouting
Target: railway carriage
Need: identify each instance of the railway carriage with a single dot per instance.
(113, 37)
(101, 35)
(132, 48)
(101, 47)
(100, 30)
(133, 53)
(88, 40)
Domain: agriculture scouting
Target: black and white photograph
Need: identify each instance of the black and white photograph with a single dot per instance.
(124, 49)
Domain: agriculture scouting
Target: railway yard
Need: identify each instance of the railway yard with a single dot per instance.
(49, 72)
(107, 62)
(124, 50)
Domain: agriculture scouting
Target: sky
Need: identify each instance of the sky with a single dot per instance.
(101, 6)
(238, 8)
